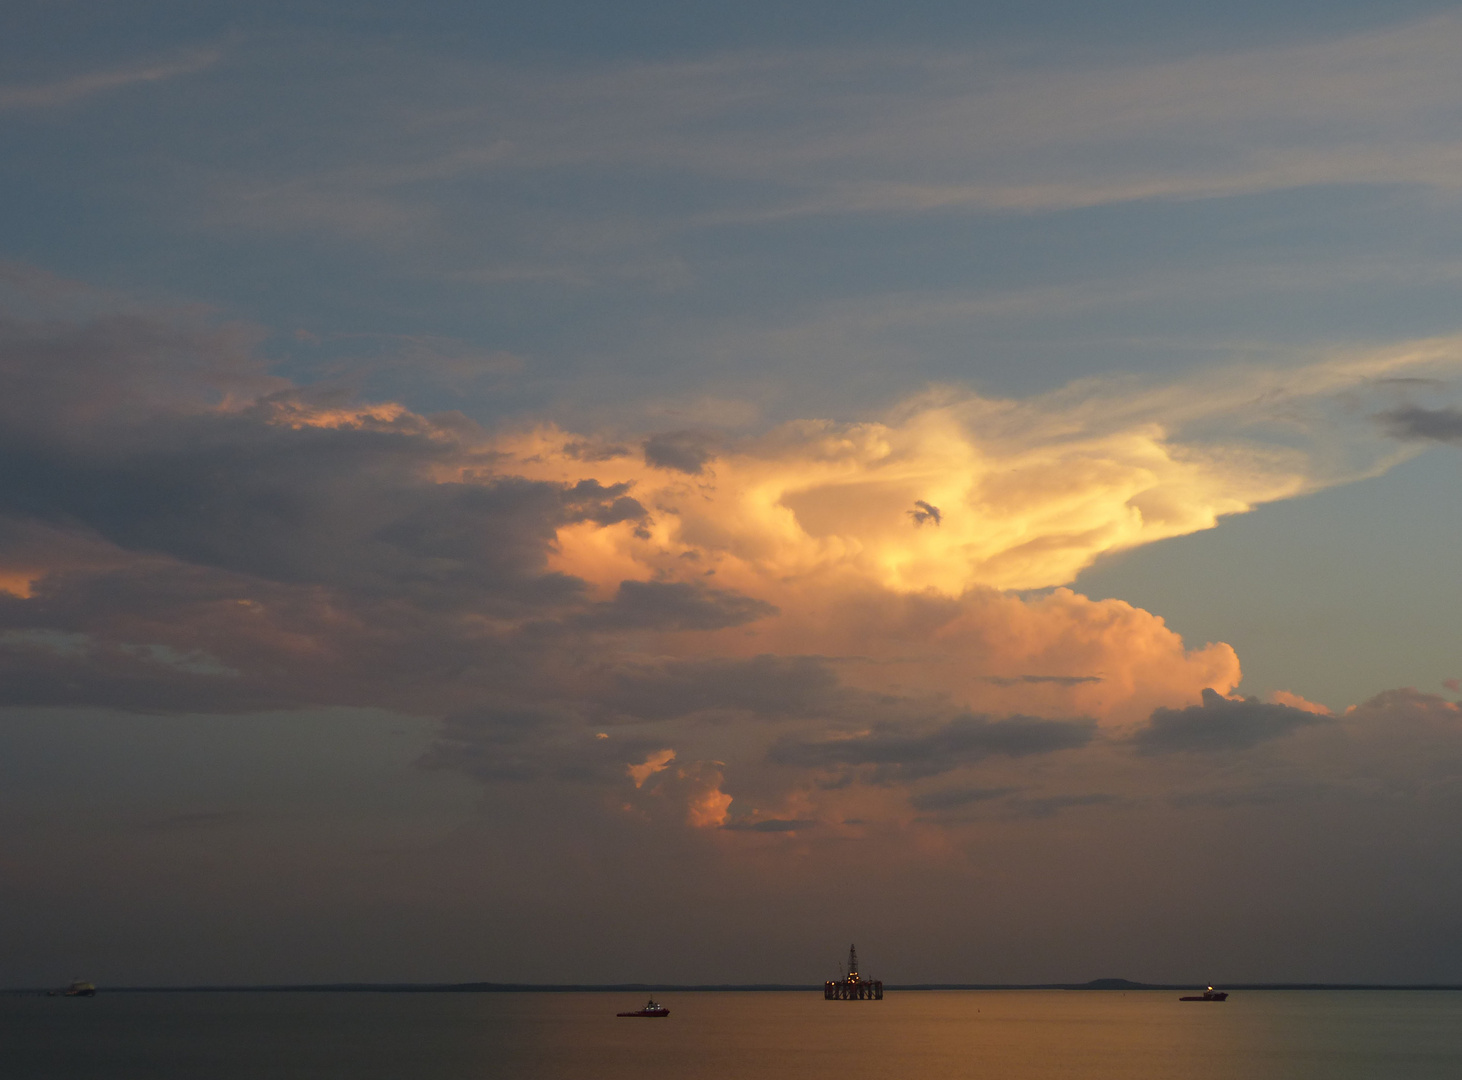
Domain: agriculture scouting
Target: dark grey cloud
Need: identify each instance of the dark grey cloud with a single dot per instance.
(603, 505)
(899, 753)
(85, 379)
(951, 798)
(288, 549)
(769, 686)
(524, 743)
(770, 825)
(39, 670)
(157, 635)
(349, 508)
(1219, 724)
(594, 451)
(1011, 804)
(683, 451)
(111, 427)
(1045, 806)
(1273, 794)
(924, 512)
(1414, 423)
(1058, 680)
(674, 605)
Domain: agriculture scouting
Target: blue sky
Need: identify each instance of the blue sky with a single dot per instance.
(530, 380)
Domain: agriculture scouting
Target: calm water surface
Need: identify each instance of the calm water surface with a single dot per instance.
(1257, 1035)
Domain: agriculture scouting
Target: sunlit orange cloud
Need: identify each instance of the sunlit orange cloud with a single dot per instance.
(1295, 701)
(287, 410)
(1028, 493)
(18, 582)
(822, 501)
(707, 805)
(33, 551)
(656, 762)
(693, 790)
(898, 545)
(1054, 654)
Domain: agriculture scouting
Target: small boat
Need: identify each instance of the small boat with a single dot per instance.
(650, 1009)
(79, 988)
(1208, 995)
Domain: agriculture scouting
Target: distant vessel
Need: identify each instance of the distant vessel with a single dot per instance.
(1208, 995)
(650, 1009)
(852, 986)
(79, 988)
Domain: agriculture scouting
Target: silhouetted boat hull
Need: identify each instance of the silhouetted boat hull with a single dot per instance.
(650, 1009)
(1208, 995)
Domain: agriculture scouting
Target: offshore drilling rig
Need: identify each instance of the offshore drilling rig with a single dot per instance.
(852, 986)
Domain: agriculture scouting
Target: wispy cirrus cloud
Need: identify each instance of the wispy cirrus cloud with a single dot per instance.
(763, 136)
(59, 92)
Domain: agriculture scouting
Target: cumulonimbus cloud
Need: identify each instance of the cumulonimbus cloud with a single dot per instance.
(181, 531)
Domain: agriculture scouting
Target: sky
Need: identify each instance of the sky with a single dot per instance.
(564, 492)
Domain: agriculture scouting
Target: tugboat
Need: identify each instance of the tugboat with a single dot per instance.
(650, 1009)
(1208, 995)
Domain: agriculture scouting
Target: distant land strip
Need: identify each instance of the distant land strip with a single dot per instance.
(608, 988)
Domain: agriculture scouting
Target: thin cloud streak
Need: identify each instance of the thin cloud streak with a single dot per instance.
(925, 131)
(52, 95)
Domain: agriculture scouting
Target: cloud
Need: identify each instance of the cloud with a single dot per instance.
(181, 531)
(334, 507)
(962, 741)
(45, 667)
(952, 798)
(707, 806)
(1417, 423)
(1219, 724)
(533, 743)
(656, 762)
(677, 605)
(1030, 491)
(681, 451)
(167, 492)
(690, 791)
(1050, 805)
(774, 687)
(424, 358)
(924, 512)
(936, 130)
(1059, 680)
(65, 91)
(1295, 701)
(771, 825)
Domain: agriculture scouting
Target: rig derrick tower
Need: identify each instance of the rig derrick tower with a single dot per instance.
(853, 987)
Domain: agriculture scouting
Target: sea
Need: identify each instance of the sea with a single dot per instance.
(788, 1035)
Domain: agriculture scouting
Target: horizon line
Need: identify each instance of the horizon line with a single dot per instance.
(1095, 985)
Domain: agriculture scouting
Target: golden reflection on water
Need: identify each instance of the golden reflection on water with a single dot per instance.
(962, 1035)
